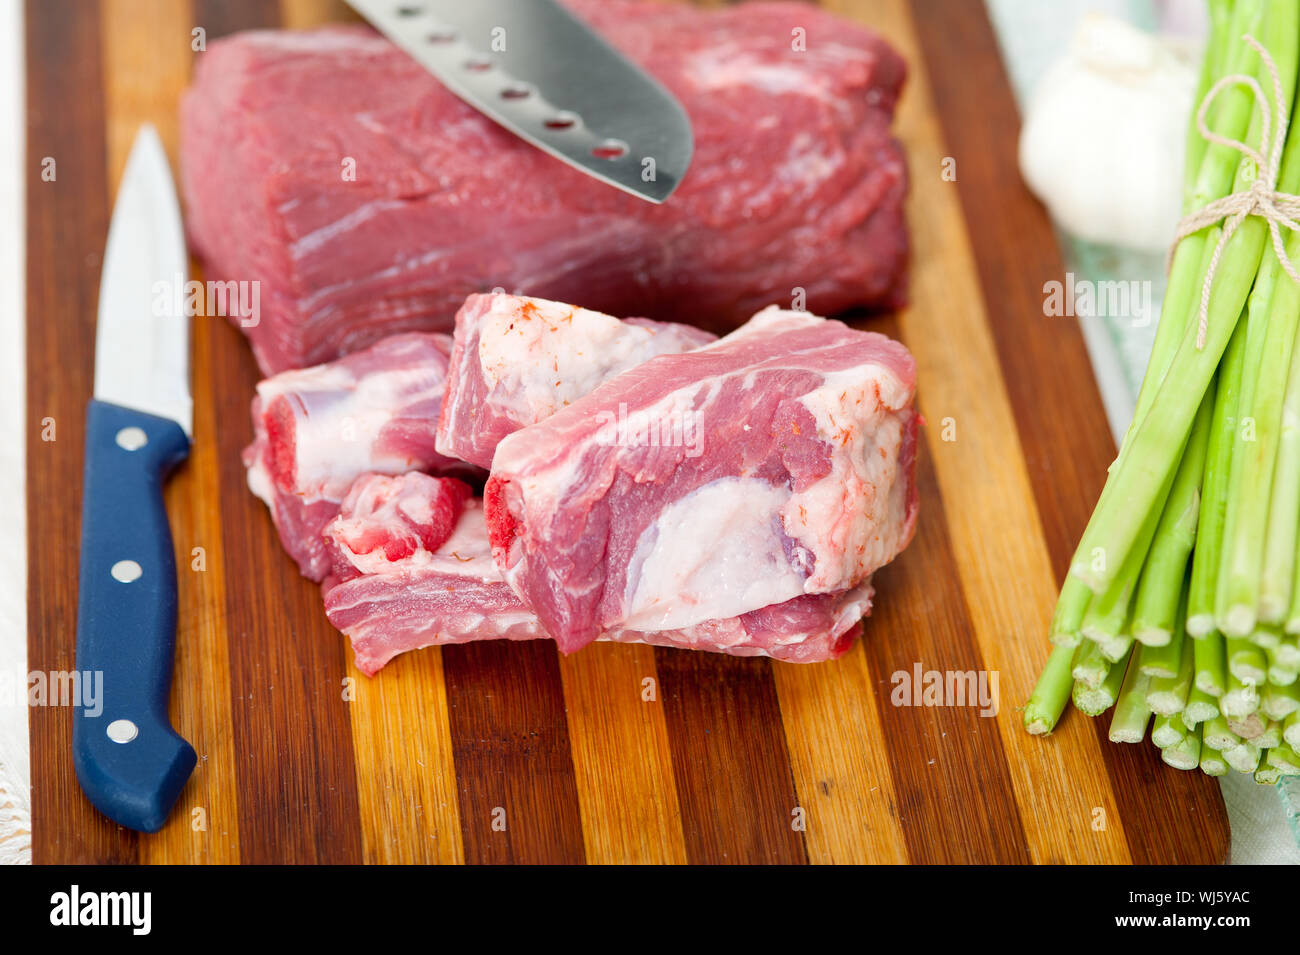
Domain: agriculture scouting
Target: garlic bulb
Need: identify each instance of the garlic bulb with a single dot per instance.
(1103, 137)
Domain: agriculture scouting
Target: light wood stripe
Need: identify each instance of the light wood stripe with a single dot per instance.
(146, 46)
(305, 14)
(841, 772)
(406, 777)
(621, 758)
(997, 537)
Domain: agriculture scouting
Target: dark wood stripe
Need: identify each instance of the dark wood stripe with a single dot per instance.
(67, 221)
(1048, 376)
(734, 781)
(947, 751)
(293, 742)
(293, 750)
(514, 767)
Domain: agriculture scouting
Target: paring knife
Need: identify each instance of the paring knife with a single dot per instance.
(540, 72)
(130, 762)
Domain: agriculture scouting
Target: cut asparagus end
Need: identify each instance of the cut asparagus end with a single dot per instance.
(1168, 731)
(1217, 734)
(1212, 761)
(1185, 754)
(1244, 757)
(1201, 708)
(1051, 693)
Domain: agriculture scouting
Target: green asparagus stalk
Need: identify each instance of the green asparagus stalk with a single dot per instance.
(1148, 461)
(1248, 727)
(1168, 695)
(1164, 575)
(1067, 620)
(1089, 667)
(1279, 702)
(1247, 662)
(1209, 171)
(1240, 700)
(1270, 736)
(1184, 754)
(1267, 774)
(1218, 735)
(1266, 635)
(1212, 762)
(1051, 693)
(1168, 731)
(1095, 701)
(1256, 443)
(1213, 65)
(1211, 661)
(1214, 500)
(1284, 759)
(1278, 574)
(1201, 707)
(1128, 724)
(1244, 757)
(1291, 730)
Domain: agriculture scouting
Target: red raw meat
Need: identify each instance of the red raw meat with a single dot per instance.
(516, 361)
(385, 520)
(366, 199)
(775, 463)
(317, 429)
(457, 595)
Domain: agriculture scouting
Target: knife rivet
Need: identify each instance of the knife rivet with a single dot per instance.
(132, 438)
(122, 731)
(478, 64)
(126, 571)
(610, 149)
(562, 120)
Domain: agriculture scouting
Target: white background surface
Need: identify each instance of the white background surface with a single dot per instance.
(1259, 832)
(15, 820)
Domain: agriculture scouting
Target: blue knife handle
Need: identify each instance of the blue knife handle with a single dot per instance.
(126, 619)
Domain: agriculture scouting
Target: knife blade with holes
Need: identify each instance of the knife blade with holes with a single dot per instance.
(537, 70)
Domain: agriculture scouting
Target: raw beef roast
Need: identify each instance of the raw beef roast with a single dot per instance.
(516, 361)
(773, 464)
(317, 429)
(368, 200)
(456, 594)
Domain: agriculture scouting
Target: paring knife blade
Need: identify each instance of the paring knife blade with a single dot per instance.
(129, 760)
(540, 72)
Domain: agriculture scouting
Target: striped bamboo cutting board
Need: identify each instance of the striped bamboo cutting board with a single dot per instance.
(496, 752)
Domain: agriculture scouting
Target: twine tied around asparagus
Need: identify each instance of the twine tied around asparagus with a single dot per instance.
(1262, 198)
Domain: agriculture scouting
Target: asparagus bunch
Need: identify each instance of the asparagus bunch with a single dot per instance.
(1181, 610)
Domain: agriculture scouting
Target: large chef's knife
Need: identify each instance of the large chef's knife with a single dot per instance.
(533, 67)
(129, 761)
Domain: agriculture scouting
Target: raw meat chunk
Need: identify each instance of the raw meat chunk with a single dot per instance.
(366, 199)
(386, 520)
(315, 430)
(457, 594)
(516, 361)
(797, 480)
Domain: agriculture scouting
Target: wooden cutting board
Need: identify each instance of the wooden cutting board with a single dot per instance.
(508, 752)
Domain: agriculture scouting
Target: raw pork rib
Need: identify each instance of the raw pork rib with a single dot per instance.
(369, 200)
(456, 594)
(516, 361)
(797, 479)
(385, 520)
(317, 429)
